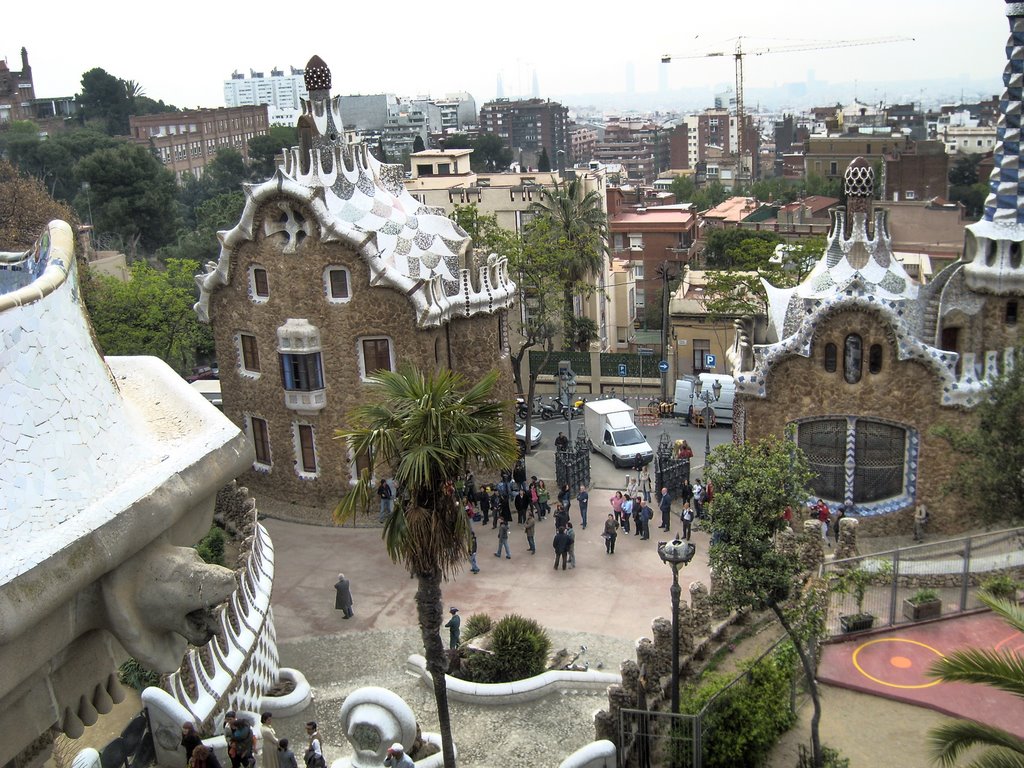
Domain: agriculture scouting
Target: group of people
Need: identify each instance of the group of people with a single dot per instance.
(632, 506)
(243, 745)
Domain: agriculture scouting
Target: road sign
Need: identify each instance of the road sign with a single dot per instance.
(709, 361)
(645, 351)
(622, 370)
(663, 366)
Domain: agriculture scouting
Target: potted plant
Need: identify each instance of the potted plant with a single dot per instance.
(1002, 587)
(923, 604)
(855, 581)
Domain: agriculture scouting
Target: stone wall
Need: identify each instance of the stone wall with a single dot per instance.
(297, 290)
(903, 392)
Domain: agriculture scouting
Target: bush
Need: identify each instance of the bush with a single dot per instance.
(1002, 587)
(744, 722)
(830, 758)
(136, 676)
(519, 649)
(476, 625)
(924, 596)
(211, 548)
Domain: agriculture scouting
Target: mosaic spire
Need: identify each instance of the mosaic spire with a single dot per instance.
(1005, 202)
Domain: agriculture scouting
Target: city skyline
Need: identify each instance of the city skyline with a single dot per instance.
(465, 50)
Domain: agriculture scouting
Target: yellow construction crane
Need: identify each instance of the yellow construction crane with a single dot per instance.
(739, 53)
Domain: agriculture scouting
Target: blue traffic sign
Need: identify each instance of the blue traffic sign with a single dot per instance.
(663, 366)
(709, 361)
(622, 370)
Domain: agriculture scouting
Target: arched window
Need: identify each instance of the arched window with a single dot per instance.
(875, 358)
(853, 353)
(831, 355)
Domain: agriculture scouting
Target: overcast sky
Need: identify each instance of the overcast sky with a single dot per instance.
(182, 51)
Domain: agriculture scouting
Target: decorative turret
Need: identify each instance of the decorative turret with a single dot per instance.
(993, 244)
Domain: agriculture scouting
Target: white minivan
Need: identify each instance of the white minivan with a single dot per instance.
(685, 399)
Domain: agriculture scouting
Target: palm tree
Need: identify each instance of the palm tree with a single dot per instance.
(579, 218)
(424, 430)
(1000, 669)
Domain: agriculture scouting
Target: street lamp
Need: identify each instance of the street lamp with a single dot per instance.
(707, 398)
(676, 553)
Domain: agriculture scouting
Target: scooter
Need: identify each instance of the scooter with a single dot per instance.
(549, 410)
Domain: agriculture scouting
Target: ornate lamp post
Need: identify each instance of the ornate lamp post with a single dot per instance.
(707, 398)
(567, 391)
(676, 553)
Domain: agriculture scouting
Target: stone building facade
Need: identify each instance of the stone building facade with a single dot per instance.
(864, 364)
(334, 272)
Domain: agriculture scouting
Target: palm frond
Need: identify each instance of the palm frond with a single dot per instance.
(1009, 610)
(999, 669)
(950, 740)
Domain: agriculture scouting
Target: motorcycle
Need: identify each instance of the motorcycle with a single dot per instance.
(549, 410)
(521, 410)
(575, 410)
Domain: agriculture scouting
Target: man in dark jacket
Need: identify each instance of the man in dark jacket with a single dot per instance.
(522, 502)
(665, 505)
(343, 597)
(561, 546)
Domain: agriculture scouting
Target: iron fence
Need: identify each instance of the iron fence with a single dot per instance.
(954, 569)
(651, 739)
(133, 748)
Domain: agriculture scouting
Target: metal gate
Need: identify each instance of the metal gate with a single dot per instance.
(572, 467)
(652, 739)
(669, 472)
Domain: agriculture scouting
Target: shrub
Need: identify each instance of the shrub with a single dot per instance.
(519, 649)
(476, 625)
(924, 596)
(1003, 587)
(744, 722)
(136, 676)
(211, 548)
(830, 758)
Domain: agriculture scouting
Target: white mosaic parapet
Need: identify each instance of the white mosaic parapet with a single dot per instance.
(237, 669)
(110, 472)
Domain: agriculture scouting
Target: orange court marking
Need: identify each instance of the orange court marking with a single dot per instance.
(901, 662)
(1007, 639)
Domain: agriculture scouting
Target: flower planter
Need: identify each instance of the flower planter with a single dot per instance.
(856, 622)
(930, 609)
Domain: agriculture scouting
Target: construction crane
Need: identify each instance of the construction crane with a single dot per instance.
(739, 53)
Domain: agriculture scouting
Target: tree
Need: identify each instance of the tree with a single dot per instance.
(424, 430)
(225, 173)
(417, 144)
(489, 153)
(104, 99)
(212, 216)
(754, 483)
(543, 162)
(263, 150)
(131, 195)
(26, 209)
(578, 220)
(739, 248)
(964, 170)
(151, 314)
(1000, 669)
(684, 188)
(988, 476)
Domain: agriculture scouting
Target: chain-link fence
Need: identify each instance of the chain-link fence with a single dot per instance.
(952, 570)
(649, 739)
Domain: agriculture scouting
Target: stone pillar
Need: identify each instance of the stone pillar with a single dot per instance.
(847, 538)
(700, 610)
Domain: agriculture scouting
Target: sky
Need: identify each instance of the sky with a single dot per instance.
(182, 51)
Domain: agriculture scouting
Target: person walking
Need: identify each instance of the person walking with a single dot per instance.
(531, 527)
(627, 512)
(565, 497)
(522, 503)
(454, 626)
(561, 546)
(189, 739)
(270, 743)
(473, 567)
(572, 544)
(646, 513)
(840, 514)
(645, 483)
(240, 744)
(483, 503)
(698, 499)
(686, 492)
(920, 521)
(519, 475)
(583, 499)
(687, 520)
(631, 486)
(396, 757)
(638, 516)
(610, 525)
(503, 540)
(665, 505)
(387, 499)
(343, 597)
(314, 757)
(543, 499)
(495, 507)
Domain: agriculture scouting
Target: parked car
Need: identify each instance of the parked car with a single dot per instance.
(535, 435)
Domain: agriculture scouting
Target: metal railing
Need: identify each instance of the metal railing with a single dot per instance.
(666, 740)
(953, 568)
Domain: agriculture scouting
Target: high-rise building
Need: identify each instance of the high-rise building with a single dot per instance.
(281, 92)
(526, 127)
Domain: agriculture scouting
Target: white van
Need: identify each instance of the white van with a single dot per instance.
(684, 398)
(614, 433)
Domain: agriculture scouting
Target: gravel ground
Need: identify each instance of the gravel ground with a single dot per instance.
(534, 735)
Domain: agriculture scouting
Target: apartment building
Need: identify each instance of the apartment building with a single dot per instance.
(186, 141)
(582, 141)
(282, 92)
(976, 140)
(16, 91)
(528, 126)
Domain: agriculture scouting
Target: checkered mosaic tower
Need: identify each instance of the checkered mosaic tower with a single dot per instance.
(1005, 202)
